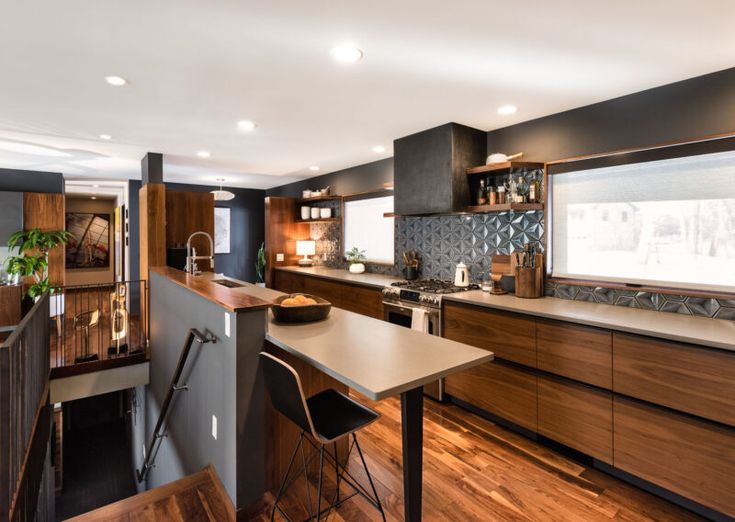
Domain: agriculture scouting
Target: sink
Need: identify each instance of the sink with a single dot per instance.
(228, 283)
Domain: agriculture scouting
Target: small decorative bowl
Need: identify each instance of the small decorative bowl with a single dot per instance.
(303, 313)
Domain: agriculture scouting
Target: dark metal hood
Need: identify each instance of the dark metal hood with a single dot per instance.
(430, 169)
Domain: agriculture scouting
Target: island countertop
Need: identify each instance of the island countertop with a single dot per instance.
(704, 331)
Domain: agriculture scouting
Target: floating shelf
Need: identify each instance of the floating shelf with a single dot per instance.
(318, 198)
(320, 220)
(502, 168)
(505, 207)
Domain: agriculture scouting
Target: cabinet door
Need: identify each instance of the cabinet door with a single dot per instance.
(576, 415)
(288, 282)
(508, 336)
(578, 352)
(363, 300)
(690, 457)
(687, 378)
(324, 288)
(505, 391)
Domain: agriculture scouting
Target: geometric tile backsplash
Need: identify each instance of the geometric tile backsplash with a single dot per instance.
(443, 241)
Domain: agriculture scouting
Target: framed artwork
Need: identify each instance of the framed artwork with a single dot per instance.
(221, 230)
(89, 244)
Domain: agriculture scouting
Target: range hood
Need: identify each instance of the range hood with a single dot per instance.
(430, 169)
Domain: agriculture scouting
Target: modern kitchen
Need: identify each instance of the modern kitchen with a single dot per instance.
(464, 297)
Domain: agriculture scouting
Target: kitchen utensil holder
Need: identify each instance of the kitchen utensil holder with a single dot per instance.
(412, 273)
(530, 281)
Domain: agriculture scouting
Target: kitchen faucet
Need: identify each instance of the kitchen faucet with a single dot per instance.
(191, 255)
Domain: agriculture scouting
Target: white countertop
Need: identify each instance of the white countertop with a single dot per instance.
(715, 333)
(365, 278)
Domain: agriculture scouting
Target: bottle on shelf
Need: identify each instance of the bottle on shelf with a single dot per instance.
(538, 183)
(522, 189)
(482, 193)
(512, 189)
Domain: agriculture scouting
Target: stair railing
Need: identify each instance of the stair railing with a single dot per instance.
(176, 386)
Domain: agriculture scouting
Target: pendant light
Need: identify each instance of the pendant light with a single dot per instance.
(222, 195)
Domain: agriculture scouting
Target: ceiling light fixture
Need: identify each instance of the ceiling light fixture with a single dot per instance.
(246, 125)
(204, 154)
(507, 109)
(314, 168)
(93, 197)
(222, 195)
(346, 54)
(116, 81)
(378, 149)
(95, 186)
(105, 137)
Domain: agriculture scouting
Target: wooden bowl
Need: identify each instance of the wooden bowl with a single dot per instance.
(301, 314)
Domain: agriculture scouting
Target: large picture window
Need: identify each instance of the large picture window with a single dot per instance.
(651, 219)
(367, 229)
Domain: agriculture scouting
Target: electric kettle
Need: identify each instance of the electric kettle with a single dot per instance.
(462, 275)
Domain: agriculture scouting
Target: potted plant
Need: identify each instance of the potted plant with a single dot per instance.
(356, 258)
(32, 260)
(260, 266)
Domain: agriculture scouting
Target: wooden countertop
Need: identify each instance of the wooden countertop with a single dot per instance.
(337, 274)
(233, 299)
(714, 333)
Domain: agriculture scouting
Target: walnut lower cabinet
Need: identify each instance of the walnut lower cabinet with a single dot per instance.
(693, 458)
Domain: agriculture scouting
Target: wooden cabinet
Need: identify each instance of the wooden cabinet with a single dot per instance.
(692, 379)
(690, 457)
(578, 352)
(324, 288)
(505, 391)
(10, 304)
(576, 415)
(508, 336)
(363, 300)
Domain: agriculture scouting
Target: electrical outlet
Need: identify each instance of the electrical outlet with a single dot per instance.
(214, 427)
(280, 258)
(227, 324)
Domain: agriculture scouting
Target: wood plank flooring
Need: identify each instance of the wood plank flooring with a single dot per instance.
(198, 497)
(476, 470)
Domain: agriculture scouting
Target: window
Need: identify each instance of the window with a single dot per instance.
(651, 218)
(367, 229)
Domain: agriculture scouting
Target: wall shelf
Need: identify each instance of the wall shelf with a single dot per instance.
(320, 220)
(504, 168)
(505, 207)
(318, 198)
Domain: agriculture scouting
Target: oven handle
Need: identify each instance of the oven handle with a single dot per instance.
(430, 311)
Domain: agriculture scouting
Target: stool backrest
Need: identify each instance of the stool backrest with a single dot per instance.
(287, 395)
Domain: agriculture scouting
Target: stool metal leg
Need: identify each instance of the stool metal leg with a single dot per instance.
(370, 479)
(285, 477)
(319, 487)
(336, 468)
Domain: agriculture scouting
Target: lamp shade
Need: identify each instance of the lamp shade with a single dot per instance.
(305, 248)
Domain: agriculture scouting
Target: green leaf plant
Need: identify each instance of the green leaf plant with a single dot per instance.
(260, 264)
(33, 247)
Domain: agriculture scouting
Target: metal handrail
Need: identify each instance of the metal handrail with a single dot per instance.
(155, 444)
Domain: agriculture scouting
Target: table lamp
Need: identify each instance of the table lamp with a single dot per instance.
(305, 248)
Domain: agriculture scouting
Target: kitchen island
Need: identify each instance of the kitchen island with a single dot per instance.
(375, 358)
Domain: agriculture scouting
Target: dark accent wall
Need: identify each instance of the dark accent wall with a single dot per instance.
(679, 111)
(13, 180)
(362, 178)
(247, 232)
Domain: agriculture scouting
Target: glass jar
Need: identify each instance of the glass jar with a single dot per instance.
(522, 190)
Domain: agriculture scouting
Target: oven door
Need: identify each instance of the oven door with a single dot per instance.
(401, 315)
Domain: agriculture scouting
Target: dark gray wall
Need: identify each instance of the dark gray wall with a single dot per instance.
(362, 178)
(13, 180)
(11, 215)
(248, 229)
(223, 380)
(679, 111)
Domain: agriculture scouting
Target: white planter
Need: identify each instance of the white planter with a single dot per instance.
(261, 285)
(357, 268)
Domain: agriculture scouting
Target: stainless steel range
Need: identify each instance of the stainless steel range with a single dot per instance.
(402, 297)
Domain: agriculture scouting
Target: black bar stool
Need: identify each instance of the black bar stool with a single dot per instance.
(327, 417)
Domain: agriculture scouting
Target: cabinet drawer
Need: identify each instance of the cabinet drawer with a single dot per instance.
(576, 415)
(363, 300)
(329, 290)
(288, 283)
(693, 458)
(505, 391)
(683, 377)
(577, 352)
(508, 336)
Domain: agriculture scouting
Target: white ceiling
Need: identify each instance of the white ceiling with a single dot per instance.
(197, 67)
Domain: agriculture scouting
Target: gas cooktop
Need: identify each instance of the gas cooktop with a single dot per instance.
(434, 286)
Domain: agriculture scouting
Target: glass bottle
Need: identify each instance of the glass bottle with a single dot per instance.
(482, 193)
(522, 189)
(538, 182)
(511, 189)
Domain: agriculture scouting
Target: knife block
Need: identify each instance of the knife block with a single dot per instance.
(530, 281)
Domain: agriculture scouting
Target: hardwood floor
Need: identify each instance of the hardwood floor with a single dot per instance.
(476, 470)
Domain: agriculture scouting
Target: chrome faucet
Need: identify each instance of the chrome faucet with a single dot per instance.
(191, 255)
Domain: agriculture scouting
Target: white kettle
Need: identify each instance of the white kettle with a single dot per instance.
(462, 275)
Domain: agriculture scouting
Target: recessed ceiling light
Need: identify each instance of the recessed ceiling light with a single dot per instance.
(93, 197)
(314, 168)
(246, 125)
(105, 137)
(346, 54)
(95, 186)
(507, 109)
(204, 154)
(379, 149)
(116, 81)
